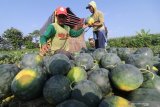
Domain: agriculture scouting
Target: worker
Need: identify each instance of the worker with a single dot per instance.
(58, 33)
(99, 29)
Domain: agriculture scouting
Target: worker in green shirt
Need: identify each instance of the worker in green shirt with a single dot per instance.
(58, 33)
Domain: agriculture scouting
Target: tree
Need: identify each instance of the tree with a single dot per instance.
(27, 38)
(28, 42)
(35, 34)
(13, 36)
(1, 39)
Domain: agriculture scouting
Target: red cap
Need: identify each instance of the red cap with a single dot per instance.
(61, 10)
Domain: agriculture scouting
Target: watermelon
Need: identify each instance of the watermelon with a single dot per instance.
(124, 52)
(87, 92)
(98, 53)
(95, 67)
(59, 64)
(110, 60)
(71, 103)
(100, 77)
(46, 60)
(158, 67)
(7, 73)
(28, 83)
(140, 61)
(144, 51)
(84, 60)
(115, 101)
(83, 50)
(68, 54)
(151, 80)
(31, 60)
(156, 59)
(72, 63)
(38, 102)
(112, 50)
(126, 77)
(77, 74)
(57, 89)
(144, 97)
(89, 21)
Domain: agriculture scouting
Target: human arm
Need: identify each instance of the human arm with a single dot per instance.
(49, 33)
(76, 33)
(100, 20)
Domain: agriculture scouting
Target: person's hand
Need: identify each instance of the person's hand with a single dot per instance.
(94, 24)
(91, 25)
(85, 26)
(44, 49)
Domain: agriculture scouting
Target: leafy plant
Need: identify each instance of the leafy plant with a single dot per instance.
(143, 40)
(143, 33)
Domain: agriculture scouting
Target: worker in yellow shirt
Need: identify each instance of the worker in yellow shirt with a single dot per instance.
(99, 29)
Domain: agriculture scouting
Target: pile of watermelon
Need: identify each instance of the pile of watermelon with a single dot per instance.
(112, 77)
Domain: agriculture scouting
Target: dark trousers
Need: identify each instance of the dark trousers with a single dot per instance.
(100, 40)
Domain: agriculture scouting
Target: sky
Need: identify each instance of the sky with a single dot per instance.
(122, 17)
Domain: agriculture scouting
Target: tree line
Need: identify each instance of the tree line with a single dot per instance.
(13, 38)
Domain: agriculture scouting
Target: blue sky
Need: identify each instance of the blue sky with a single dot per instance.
(123, 17)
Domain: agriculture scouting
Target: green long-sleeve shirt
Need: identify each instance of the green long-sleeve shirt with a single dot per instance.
(51, 31)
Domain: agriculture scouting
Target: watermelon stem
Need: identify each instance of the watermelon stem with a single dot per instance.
(147, 71)
(93, 67)
(7, 100)
(148, 67)
(71, 85)
(111, 66)
(84, 67)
